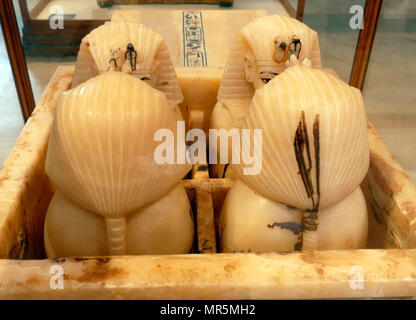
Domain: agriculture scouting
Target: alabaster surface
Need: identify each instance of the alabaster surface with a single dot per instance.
(256, 57)
(132, 48)
(247, 219)
(250, 222)
(261, 52)
(102, 144)
(314, 135)
(163, 227)
(101, 155)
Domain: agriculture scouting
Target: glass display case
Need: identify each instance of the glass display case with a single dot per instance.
(11, 121)
(201, 59)
(46, 45)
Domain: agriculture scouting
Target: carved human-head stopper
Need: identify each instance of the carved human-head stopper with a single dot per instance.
(262, 50)
(153, 60)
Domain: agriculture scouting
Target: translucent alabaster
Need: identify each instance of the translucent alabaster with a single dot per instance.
(250, 222)
(314, 156)
(252, 58)
(101, 150)
(108, 47)
(311, 111)
(163, 227)
(245, 220)
(255, 58)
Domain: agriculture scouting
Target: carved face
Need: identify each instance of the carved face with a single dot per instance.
(142, 53)
(150, 76)
(284, 48)
(262, 50)
(259, 72)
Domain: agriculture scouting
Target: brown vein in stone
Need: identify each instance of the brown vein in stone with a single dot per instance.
(317, 158)
(302, 141)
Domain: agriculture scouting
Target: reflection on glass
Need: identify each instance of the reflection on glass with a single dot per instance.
(52, 29)
(331, 19)
(389, 89)
(92, 10)
(11, 120)
(31, 4)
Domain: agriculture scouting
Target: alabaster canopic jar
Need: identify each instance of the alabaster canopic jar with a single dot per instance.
(261, 51)
(314, 156)
(129, 47)
(101, 158)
